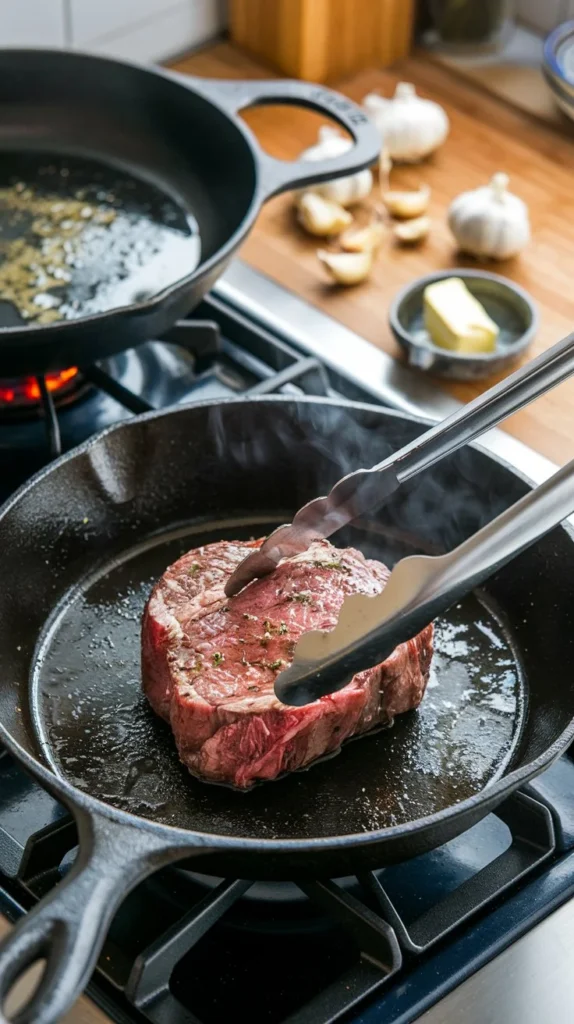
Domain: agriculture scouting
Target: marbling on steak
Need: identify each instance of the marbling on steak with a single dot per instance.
(209, 663)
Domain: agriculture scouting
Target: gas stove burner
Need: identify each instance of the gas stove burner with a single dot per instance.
(259, 892)
(266, 908)
(24, 395)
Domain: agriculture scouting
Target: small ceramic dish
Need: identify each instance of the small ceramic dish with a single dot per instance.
(510, 307)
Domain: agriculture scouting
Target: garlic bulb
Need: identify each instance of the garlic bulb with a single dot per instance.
(347, 267)
(344, 191)
(490, 221)
(321, 216)
(367, 239)
(410, 127)
(411, 231)
(407, 204)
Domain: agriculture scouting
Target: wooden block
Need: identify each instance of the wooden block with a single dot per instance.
(323, 39)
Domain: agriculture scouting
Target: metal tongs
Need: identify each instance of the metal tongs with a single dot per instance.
(419, 588)
(367, 489)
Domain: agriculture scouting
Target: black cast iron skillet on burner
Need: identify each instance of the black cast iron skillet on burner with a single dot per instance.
(81, 546)
(124, 192)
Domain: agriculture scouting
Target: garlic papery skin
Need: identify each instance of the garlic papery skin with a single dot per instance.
(407, 204)
(321, 217)
(345, 191)
(367, 239)
(410, 127)
(385, 168)
(490, 221)
(347, 267)
(412, 231)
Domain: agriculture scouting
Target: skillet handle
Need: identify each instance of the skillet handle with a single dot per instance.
(67, 929)
(281, 175)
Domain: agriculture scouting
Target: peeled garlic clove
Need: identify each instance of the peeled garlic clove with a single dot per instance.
(407, 204)
(320, 216)
(412, 230)
(367, 239)
(347, 267)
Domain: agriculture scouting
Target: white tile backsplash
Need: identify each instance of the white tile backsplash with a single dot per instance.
(32, 23)
(91, 20)
(140, 30)
(179, 27)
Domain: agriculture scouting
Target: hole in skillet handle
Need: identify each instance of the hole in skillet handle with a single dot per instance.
(299, 129)
(275, 175)
(23, 989)
(66, 930)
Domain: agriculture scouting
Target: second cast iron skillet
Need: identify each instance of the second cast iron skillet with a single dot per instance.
(124, 192)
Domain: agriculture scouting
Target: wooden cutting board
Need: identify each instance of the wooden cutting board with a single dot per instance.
(486, 135)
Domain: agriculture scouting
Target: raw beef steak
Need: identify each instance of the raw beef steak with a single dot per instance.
(209, 663)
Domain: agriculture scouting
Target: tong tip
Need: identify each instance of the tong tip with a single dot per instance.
(284, 541)
(251, 568)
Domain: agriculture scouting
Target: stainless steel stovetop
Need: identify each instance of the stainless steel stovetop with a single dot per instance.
(485, 925)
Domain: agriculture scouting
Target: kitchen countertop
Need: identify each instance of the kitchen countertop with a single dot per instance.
(486, 135)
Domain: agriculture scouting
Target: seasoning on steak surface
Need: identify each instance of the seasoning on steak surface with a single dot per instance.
(209, 663)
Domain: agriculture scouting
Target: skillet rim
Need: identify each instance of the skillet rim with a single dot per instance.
(79, 800)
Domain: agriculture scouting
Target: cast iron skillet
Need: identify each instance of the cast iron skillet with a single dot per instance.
(169, 157)
(81, 545)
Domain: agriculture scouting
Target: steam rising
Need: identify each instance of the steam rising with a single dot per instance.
(436, 510)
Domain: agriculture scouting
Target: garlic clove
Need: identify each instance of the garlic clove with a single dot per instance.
(367, 239)
(412, 230)
(347, 268)
(407, 204)
(321, 217)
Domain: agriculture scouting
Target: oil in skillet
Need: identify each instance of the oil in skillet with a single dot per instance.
(78, 237)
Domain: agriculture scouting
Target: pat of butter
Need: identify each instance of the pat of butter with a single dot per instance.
(455, 319)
